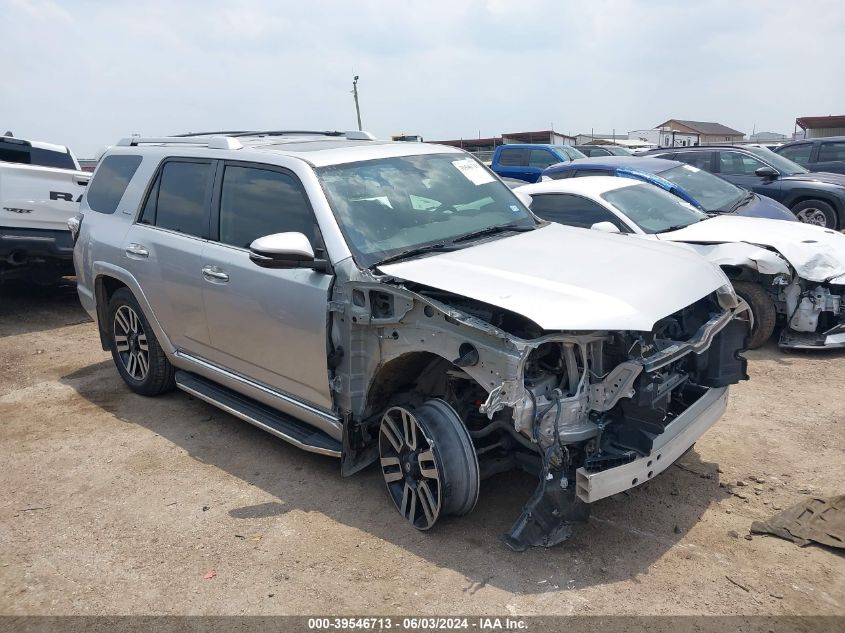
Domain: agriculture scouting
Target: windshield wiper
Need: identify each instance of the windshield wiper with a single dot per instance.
(749, 195)
(413, 252)
(490, 230)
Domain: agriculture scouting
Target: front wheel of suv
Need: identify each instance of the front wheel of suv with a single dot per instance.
(428, 462)
(135, 349)
(816, 212)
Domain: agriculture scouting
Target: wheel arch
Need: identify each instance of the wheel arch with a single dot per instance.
(804, 195)
(108, 279)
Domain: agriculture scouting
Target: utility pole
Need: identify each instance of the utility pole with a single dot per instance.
(355, 94)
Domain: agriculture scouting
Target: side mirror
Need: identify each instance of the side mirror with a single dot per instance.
(767, 172)
(524, 198)
(283, 250)
(605, 227)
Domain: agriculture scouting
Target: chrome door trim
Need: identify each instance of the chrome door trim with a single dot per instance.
(259, 424)
(330, 418)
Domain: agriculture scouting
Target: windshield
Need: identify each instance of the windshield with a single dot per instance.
(781, 163)
(711, 192)
(653, 209)
(618, 151)
(571, 152)
(390, 205)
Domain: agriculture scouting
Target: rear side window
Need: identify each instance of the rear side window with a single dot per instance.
(702, 160)
(256, 202)
(111, 181)
(179, 199)
(797, 153)
(49, 158)
(26, 155)
(513, 158)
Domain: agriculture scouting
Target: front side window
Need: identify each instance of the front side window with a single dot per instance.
(389, 205)
(179, 199)
(542, 158)
(736, 164)
(573, 210)
(831, 152)
(711, 192)
(653, 209)
(798, 153)
(109, 185)
(256, 202)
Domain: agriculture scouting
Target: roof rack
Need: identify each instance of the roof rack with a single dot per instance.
(211, 142)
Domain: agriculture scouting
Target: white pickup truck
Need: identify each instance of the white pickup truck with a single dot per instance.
(40, 188)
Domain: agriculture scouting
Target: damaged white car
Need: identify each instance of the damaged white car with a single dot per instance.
(396, 303)
(788, 273)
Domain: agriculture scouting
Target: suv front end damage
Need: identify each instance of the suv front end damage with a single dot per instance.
(590, 413)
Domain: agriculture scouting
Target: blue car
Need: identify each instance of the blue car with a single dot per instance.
(526, 162)
(700, 188)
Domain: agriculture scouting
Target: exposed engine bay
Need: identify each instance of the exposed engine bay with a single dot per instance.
(551, 404)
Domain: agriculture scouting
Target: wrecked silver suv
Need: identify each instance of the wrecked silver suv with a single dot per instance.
(397, 303)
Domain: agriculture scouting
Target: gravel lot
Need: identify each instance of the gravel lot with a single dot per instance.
(118, 504)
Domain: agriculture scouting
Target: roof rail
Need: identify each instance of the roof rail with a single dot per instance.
(211, 142)
(355, 135)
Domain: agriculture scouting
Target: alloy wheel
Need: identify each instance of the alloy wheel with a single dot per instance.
(812, 216)
(410, 468)
(130, 341)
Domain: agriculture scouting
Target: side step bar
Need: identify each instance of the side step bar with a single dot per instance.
(283, 426)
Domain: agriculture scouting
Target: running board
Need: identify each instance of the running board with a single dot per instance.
(266, 418)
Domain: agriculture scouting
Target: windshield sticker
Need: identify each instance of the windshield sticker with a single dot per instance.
(473, 172)
(691, 168)
(515, 208)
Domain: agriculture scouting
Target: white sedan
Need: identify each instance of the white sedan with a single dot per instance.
(786, 271)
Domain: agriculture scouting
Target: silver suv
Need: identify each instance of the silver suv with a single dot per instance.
(397, 303)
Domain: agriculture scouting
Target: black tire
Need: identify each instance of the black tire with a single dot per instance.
(762, 309)
(815, 212)
(157, 376)
(428, 462)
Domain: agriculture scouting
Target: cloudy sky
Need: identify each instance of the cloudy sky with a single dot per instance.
(85, 72)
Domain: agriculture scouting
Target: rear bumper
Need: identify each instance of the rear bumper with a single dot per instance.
(25, 243)
(678, 437)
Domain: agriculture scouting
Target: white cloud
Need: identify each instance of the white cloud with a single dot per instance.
(85, 73)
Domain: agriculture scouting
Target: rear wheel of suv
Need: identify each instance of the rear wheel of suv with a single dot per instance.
(816, 212)
(428, 462)
(135, 349)
(763, 311)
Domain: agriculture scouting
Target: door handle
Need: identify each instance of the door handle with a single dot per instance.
(137, 251)
(214, 274)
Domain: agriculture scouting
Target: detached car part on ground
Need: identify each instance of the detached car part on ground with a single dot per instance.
(40, 189)
(405, 309)
(788, 272)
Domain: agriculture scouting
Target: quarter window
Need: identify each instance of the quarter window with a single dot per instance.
(255, 202)
(572, 210)
(830, 152)
(111, 181)
(179, 200)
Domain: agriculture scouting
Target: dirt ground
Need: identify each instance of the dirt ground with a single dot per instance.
(117, 504)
